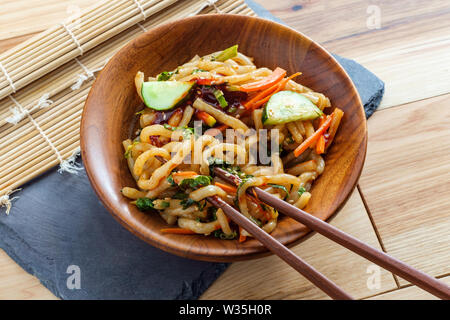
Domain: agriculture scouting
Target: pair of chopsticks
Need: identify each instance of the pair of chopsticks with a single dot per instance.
(416, 277)
(420, 279)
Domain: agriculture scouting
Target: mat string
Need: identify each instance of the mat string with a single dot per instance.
(83, 77)
(8, 78)
(19, 113)
(67, 165)
(138, 4)
(6, 200)
(213, 4)
(142, 27)
(70, 33)
(207, 3)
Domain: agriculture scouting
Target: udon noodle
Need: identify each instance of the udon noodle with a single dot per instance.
(172, 163)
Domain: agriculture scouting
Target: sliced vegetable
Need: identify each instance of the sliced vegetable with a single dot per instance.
(209, 81)
(288, 106)
(265, 83)
(226, 54)
(242, 238)
(265, 95)
(178, 176)
(301, 191)
(144, 204)
(177, 231)
(220, 97)
(225, 187)
(208, 119)
(278, 186)
(313, 138)
(337, 116)
(164, 95)
(320, 144)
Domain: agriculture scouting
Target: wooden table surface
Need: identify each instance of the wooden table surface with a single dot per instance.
(402, 203)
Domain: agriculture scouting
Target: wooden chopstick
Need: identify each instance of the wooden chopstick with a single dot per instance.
(318, 279)
(416, 277)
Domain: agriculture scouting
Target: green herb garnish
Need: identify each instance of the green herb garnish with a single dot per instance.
(165, 75)
(186, 203)
(180, 196)
(221, 235)
(144, 204)
(212, 212)
(197, 182)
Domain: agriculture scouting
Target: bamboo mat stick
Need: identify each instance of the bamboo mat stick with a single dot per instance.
(108, 24)
(54, 70)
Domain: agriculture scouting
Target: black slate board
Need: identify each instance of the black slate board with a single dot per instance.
(58, 222)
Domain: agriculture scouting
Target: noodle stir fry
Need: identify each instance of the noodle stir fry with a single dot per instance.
(221, 110)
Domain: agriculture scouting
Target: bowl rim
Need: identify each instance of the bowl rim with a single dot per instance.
(304, 234)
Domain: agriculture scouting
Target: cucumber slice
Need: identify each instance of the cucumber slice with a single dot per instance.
(288, 106)
(164, 95)
(228, 53)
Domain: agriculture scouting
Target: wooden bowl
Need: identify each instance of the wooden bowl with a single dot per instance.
(109, 116)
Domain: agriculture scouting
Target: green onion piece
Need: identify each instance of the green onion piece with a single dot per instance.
(232, 109)
(226, 54)
(144, 204)
(164, 76)
(197, 182)
(220, 97)
(286, 193)
(301, 190)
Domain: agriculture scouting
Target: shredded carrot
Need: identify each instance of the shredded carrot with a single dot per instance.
(259, 96)
(177, 231)
(320, 144)
(338, 114)
(226, 187)
(265, 83)
(313, 138)
(184, 174)
(242, 238)
(209, 81)
(264, 96)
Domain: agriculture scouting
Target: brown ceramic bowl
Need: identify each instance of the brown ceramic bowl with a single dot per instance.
(109, 117)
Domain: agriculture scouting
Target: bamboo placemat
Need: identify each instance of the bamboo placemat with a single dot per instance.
(45, 81)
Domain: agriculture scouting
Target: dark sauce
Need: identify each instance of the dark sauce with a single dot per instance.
(205, 92)
(234, 98)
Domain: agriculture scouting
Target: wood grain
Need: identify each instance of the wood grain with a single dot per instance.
(270, 278)
(111, 107)
(406, 182)
(29, 16)
(408, 293)
(16, 283)
(410, 51)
